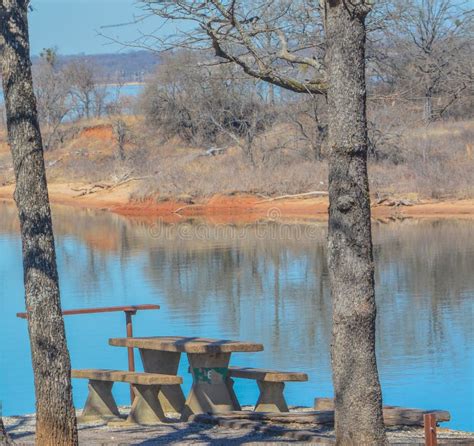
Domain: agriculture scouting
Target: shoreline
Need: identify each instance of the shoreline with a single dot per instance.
(22, 429)
(236, 208)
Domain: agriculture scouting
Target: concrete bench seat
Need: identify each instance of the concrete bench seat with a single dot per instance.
(101, 405)
(266, 375)
(271, 384)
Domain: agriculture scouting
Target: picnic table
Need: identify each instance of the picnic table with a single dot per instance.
(209, 366)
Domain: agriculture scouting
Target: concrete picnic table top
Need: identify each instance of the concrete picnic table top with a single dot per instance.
(208, 363)
(182, 344)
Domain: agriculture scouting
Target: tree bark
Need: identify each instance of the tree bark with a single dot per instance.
(55, 415)
(428, 106)
(4, 438)
(358, 399)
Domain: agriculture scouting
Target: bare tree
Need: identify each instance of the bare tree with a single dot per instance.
(55, 415)
(166, 101)
(239, 32)
(206, 104)
(121, 132)
(87, 94)
(308, 117)
(277, 41)
(426, 50)
(52, 95)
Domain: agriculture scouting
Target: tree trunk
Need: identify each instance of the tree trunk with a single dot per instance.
(55, 416)
(120, 131)
(4, 438)
(428, 106)
(358, 399)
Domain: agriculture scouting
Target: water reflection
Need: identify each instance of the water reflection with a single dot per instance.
(262, 282)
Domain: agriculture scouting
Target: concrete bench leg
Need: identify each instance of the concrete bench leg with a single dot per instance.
(171, 397)
(100, 404)
(209, 393)
(271, 397)
(146, 408)
(230, 387)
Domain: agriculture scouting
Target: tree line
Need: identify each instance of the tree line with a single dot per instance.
(418, 64)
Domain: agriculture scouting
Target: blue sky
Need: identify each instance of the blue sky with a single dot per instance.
(72, 25)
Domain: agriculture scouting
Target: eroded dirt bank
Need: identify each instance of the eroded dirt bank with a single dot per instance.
(237, 208)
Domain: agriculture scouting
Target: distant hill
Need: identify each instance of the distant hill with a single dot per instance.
(133, 66)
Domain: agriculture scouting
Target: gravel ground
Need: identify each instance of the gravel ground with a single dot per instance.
(22, 431)
(21, 428)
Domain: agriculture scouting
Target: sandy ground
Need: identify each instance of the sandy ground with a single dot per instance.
(21, 429)
(237, 208)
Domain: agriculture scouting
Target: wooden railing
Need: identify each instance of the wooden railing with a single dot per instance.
(129, 310)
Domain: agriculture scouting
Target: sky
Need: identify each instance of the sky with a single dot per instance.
(73, 25)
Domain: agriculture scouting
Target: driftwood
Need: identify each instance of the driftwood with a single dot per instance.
(393, 202)
(303, 195)
(313, 417)
(54, 162)
(213, 151)
(90, 189)
(177, 211)
(324, 415)
(267, 429)
(104, 186)
(392, 415)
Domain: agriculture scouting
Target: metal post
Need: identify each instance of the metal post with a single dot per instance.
(131, 357)
(429, 421)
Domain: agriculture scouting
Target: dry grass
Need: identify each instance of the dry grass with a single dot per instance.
(228, 174)
(435, 161)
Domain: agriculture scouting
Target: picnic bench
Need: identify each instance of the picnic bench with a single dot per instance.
(146, 407)
(271, 384)
(209, 366)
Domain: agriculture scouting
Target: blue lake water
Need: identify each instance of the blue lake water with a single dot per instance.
(112, 91)
(263, 282)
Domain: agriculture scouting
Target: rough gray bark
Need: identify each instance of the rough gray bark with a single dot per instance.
(428, 111)
(4, 438)
(358, 399)
(55, 416)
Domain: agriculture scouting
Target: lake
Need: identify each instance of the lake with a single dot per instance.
(113, 91)
(264, 282)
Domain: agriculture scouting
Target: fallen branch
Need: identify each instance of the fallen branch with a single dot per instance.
(213, 151)
(105, 186)
(392, 415)
(90, 190)
(261, 427)
(313, 417)
(54, 162)
(305, 194)
(394, 203)
(177, 211)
